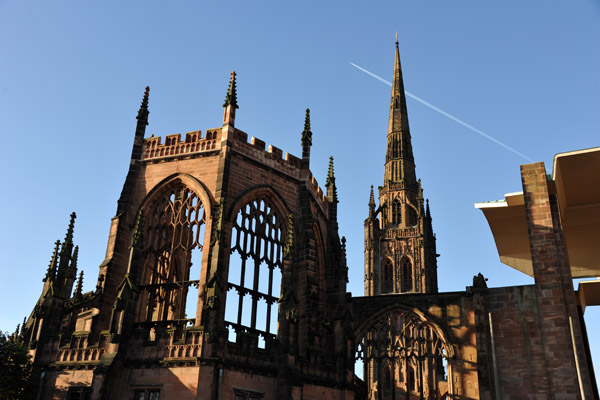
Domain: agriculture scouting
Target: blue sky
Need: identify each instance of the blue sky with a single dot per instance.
(72, 76)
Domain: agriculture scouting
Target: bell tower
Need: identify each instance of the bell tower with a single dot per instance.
(400, 254)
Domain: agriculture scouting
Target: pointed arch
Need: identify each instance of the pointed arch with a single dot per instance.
(412, 215)
(387, 276)
(405, 337)
(406, 274)
(258, 233)
(176, 212)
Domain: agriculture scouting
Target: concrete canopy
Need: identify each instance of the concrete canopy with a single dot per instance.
(576, 183)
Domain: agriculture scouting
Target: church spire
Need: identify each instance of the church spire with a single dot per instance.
(399, 161)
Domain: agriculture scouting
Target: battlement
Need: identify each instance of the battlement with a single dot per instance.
(274, 158)
(256, 149)
(314, 187)
(174, 146)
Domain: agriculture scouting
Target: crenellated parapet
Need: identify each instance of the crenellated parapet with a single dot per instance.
(175, 147)
(271, 156)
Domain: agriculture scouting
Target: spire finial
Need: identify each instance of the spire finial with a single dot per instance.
(79, 286)
(306, 133)
(73, 266)
(69, 235)
(143, 112)
(427, 210)
(330, 184)
(231, 97)
(371, 203)
(396, 38)
(330, 176)
(51, 272)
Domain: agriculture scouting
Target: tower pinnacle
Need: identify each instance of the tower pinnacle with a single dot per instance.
(143, 111)
(330, 183)
(371, 203)
(306, 133)
(306, 141)
(230, 106)
(79, 286)
(51, 272)
(231, 96)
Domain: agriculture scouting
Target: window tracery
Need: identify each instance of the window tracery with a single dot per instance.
(402, 341)
(174, 225)
(254, 279)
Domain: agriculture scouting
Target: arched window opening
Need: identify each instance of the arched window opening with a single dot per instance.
(407, 281)
(174, 223)
(254, 279)
(396, 213)
(412, 218)
(402, 351)
(387, 282)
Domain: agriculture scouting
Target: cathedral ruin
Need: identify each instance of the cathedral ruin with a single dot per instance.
(225, 278)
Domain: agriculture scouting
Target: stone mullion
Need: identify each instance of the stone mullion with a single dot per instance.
(214, 296)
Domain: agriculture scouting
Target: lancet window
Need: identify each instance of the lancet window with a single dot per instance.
(396, 212)
(254, 279)
(407, 280)
(387, 282)
(174, 224)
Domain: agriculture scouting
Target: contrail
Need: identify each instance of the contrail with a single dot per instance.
(444, 113)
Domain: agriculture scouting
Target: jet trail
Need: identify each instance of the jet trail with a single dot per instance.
(444, 113)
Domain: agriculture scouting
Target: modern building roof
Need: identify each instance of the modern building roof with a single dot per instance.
(575, 181)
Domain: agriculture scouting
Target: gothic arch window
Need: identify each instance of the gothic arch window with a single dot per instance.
(174, 221)
(407, 275)
(387, 281)
(408, 342)
(254, 278)
(396, 212)
(412, 217)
